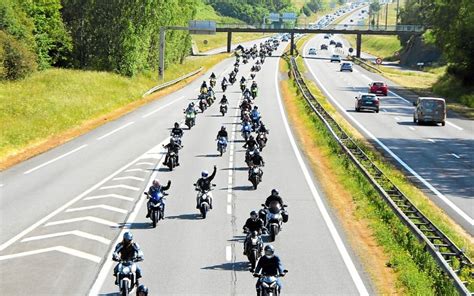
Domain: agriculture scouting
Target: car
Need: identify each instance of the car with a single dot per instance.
(367, 102)
(351, 20)
(312, 51)
(284, 38)
(378, 87)
(326, 36)
(324, 47)
(339, 44)
(335, 58)
(332, 42)
(346, 66)
(428, 109)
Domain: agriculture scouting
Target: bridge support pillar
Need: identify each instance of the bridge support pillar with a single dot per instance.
(292, 44)
(358, 45)
(229, 41)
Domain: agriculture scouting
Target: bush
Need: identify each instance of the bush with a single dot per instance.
(16, 60)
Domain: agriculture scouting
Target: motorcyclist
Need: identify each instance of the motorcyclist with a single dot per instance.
(243, 80)
(142, 290)
(222, 133)
(274, 197)
(254, 86)
(251, 144)
(254, 223)
(262, 128)
(256, 160)
(269, 265)
(153, 192)
(224, 83)
(204, 184)
(255, 114)
(223, 101)
(213, 76)
(176, 131)
(204, 87)
(191, 108)
(247, 94)
(172, 146)
(127, 250)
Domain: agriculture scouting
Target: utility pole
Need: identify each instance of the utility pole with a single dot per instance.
(398, 11)
(386, 15)
(161, 62)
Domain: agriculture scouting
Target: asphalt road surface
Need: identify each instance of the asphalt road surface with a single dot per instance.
(63, 211)
(441, 159)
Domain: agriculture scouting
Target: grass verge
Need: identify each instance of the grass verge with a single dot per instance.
(395, 240)
(54, 106)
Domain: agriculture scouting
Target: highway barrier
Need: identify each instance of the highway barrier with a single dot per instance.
(364, 64)
(166, 84)
(452, 260)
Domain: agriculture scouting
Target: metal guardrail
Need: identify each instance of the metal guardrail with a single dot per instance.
(166, 84)
(364, 63)
(449, 257)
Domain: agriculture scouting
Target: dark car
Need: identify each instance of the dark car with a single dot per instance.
(324, 47)
(339, 44)
(429, 109)
(367, 102)
(378, 87)
(332, 42)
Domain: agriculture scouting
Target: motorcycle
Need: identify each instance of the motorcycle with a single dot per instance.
(190, 119)
(252, 76)
(223, 109)
(268, 284)
(221, 145)
(203, 104)
(232, 79)
(274, 216)
(254, 92)
(210, 99)
(212, 82)
(246, 130)
(224, 87)
(261, 140)
(255, 176)
(242, 86)
(126, 276)
(255, 121)
(172, 160)
(157, 210)
(204, 197)
(176, 139)
(253, 248)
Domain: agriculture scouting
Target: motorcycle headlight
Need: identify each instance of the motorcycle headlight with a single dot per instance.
(126, 270)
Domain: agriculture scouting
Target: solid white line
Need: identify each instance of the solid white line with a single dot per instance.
(119, 186)
(322, 208)
(431, 140)
(135, 170)
(68, 204)
(228, 253)
(117, 196)
(128, 178)
(384, 110)
(55, 159)
(80, 219)
(104, 271)
(455, 155)
(115, 130)
(397, 118)
(105, 207)
(412, 128)
(144, 163)
(229, 209)
(398, 159)
(61, 249)
(74, 232)
(162, 107)
(453, 125)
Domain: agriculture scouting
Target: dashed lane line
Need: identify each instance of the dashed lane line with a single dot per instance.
(115, 130)
(55, 159)
(162, 107)
(79, 233)
(455, 155)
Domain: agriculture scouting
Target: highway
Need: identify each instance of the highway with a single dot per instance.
(63, 211)
(440, 159)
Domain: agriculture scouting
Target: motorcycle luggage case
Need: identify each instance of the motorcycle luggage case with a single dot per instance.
(284, 216)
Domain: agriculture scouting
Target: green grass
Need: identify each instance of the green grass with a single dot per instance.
(379, 46)
(54, 101)
(207, 12)
(416, 270)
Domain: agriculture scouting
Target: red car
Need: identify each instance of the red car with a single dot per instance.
(378, 87)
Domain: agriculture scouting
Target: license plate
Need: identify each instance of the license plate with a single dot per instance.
(368, 103)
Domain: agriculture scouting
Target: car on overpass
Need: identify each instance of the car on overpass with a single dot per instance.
(378, 87)
(332, 42)
(346, 66)
(365, 101)
(324, 47)
(335, 58)
(312, 51)
(429, 109)
(339, 44)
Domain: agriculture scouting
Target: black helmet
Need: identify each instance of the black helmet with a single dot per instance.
(222, 128)
(275, 192)
(142, 289)
(269, 251)
(176, 125)
(253, 214)
(128, 237)
(251, 137)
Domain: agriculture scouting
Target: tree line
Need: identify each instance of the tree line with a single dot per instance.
(120, 36)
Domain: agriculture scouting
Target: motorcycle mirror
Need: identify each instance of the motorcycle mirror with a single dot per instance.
(263, 205)
(214, 185)
(285, 271)
(285, 206)
(194, 184)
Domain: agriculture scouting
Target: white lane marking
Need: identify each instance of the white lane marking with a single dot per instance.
(115, 130)
(117, 196)
(397, 118)
(398, 159)
(229, 196)
(55, 159)
(144, 163)
(412, 128)
(61, 249)
(80, 219)
(128, 178)
(77, 198)
(1, 185)
(104, 271)
(79, 233)
(135, 170)
(229, 209)
(119, 186)
(431, 140)
(162, 107)
(455, 155)
(455, 126)
(382, 109)
(104, 207)
(322, 208)
(228, 253)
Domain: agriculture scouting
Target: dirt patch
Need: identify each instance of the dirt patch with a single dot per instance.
(357, 230)
(54, 141)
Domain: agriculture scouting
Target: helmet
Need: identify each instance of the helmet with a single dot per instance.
(275, 192)
(254, 233)
(253, 214)
(128, 237)
(142, 289)
(222, 128)
(176, 125)
(255, 107)
(269, 251)
(224, 97)
(204, 174)
(171, 141)
(251, 137)
(156, 183)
